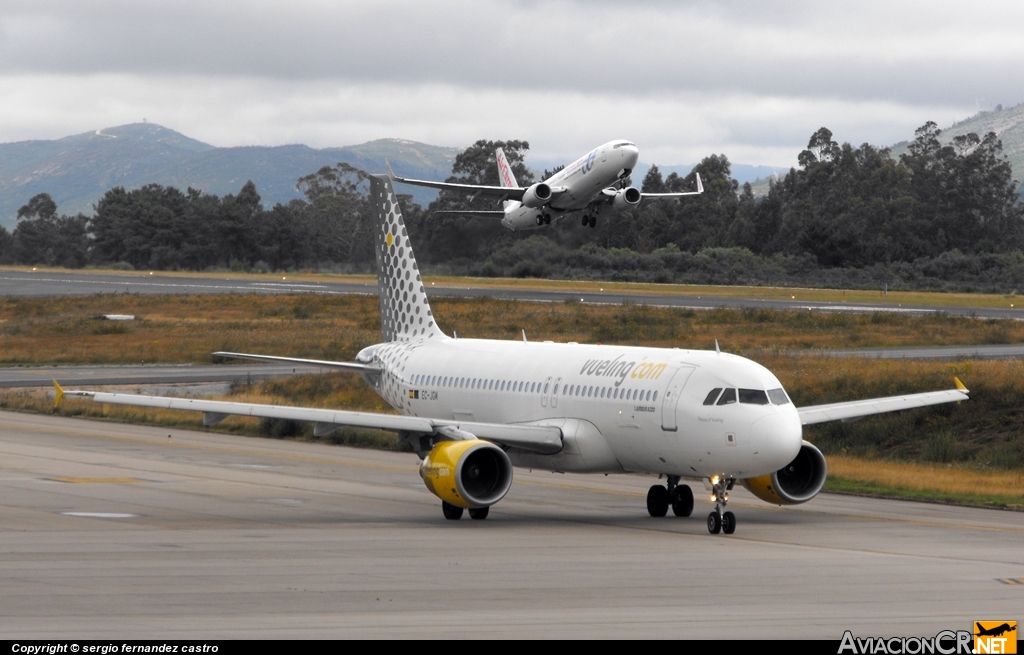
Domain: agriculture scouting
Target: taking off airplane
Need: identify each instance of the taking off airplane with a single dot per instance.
(474, 408)
(592, 185)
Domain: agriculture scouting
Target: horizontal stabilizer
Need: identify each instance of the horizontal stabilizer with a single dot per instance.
(355, 367)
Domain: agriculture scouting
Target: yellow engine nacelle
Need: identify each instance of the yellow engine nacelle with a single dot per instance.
(795, 483)
(469, 474)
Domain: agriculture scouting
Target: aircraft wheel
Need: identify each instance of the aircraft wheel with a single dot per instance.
(451, 512)
(586, 220)
(540, 220)
(714, 522)
(479, 514)
(682, 500)
(728, 523)
(657, 501)
(547, 219)
(593, 221)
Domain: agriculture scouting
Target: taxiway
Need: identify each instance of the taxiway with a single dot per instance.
(114, 530)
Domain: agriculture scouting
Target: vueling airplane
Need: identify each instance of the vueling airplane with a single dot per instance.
(474, 408)
(592, 185)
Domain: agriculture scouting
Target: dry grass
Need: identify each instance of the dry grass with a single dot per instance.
(929, 298)
(189, 328)
(926, 481)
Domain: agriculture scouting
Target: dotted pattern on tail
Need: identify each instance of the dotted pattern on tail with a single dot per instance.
(404, 311)
(405, 317)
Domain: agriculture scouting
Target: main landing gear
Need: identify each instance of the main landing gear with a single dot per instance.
(717, 520)
(454, 513)
(589, 220)
(543, 219)
(679, 497)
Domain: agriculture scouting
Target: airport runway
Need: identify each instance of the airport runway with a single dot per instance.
(117, 531)
(28, 283)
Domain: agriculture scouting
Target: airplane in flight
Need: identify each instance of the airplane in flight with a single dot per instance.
(472, 409)
(593, 185)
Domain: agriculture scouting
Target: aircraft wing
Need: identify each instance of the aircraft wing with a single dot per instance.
(541, 439)
(860, 408)
(354, 367)
(470, 212)
(510, 193)
(502, 192)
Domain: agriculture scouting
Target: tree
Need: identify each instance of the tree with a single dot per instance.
(43, 237)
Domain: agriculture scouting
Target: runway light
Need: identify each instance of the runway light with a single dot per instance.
(284, 278)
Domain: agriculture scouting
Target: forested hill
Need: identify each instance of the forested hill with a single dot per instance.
(77, 170)
(1007, 124)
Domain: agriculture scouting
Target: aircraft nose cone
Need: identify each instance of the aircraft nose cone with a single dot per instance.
(776, 438)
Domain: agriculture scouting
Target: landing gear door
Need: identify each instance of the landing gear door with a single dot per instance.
(672, 394)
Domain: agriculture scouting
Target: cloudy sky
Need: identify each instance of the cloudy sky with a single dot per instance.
(683, 79)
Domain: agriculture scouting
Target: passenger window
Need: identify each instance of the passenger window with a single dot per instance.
(713, 396)
(545, 387)
(753, 397)
(728, 397)
(778, 397)
(655, 396)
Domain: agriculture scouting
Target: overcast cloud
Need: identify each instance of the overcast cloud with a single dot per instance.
(682, 79)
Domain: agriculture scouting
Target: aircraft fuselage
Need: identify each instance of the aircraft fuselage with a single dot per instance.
(620, 408)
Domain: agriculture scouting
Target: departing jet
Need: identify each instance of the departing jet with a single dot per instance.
(474, 408)
(593, 185)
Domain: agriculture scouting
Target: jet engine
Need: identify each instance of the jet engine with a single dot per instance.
(470, 474)
(626, 198)
(795, 483)
(537, 195)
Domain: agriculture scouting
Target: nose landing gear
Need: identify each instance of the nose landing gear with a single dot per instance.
(719, 521)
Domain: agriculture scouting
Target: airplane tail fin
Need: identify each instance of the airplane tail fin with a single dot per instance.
(404, 311)
(505, 175)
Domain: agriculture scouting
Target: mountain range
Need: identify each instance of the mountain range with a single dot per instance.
(77, 170)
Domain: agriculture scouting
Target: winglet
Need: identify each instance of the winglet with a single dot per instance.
(391, 173)
(59, 394)
(960, 385)
(700, 185)
(717, 349)
(524, 336)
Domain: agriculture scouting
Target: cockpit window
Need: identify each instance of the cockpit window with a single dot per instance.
(728, 397)
(778, 397)
(753, 397)
(713, 396)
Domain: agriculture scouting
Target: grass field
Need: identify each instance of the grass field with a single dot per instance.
(977, 446)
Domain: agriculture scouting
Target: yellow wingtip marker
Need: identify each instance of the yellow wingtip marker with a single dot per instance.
(59, 394)
(959, 385)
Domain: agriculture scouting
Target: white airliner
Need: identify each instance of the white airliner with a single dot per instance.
(474, 408)
(592, 185)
